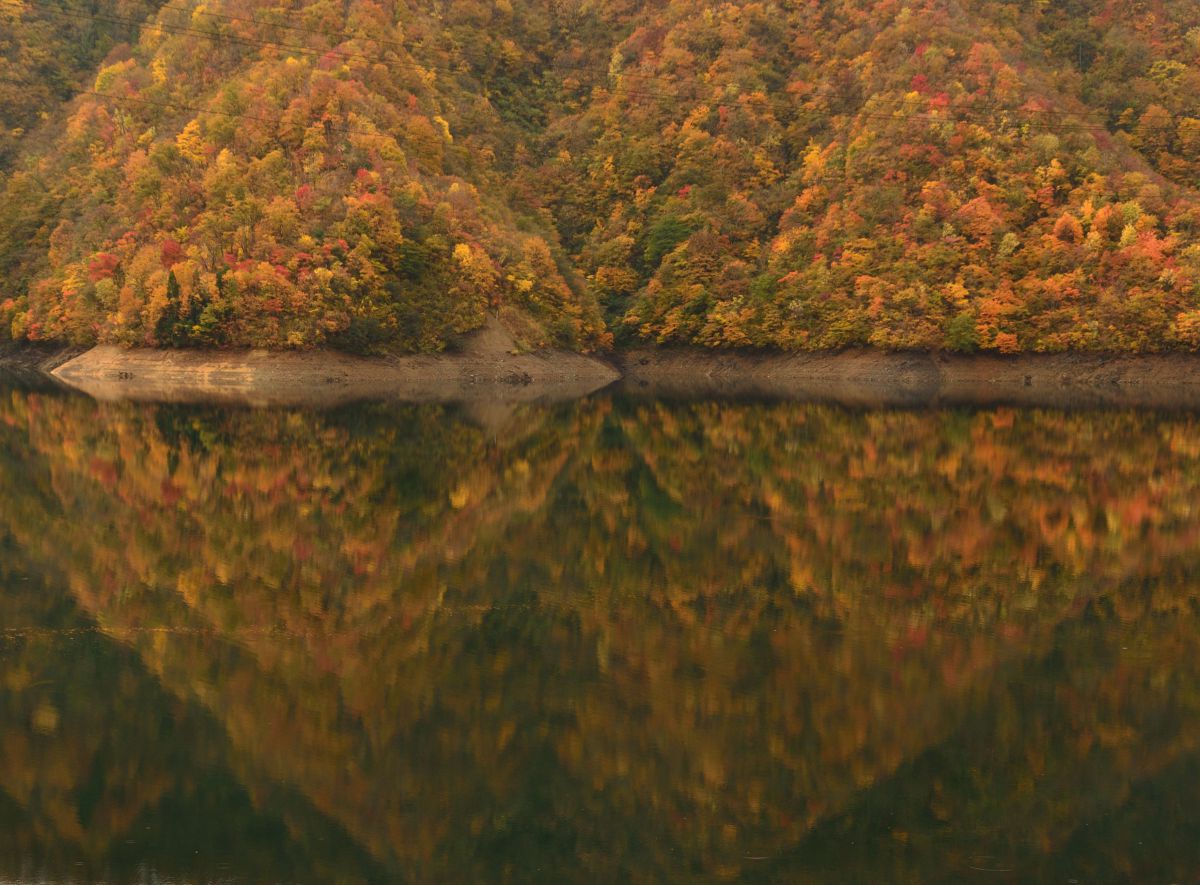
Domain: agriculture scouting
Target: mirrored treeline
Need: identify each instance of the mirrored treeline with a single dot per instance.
(612, 639)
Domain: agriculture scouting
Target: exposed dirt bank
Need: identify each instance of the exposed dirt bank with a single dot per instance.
(873, 378)
(487, 368)
(488, 372)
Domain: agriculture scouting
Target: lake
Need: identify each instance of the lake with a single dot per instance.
(623, 639)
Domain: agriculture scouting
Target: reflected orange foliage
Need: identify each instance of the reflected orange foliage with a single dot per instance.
(631, 632)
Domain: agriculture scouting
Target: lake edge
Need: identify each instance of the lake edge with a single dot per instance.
(859, 377)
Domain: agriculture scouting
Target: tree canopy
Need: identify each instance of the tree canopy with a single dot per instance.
(907, 174)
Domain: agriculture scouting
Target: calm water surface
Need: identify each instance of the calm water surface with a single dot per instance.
(619, 640)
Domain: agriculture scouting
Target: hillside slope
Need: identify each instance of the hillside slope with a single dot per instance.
(285, 178)
(47, 52)
(908, 174)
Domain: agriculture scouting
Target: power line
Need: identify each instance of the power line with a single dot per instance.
(407, 48)
(235, 115)
(808, 182)
(349, 35)
(425, 68)
(348, 130)
(375, 133)
(63, 12)
(773, 102)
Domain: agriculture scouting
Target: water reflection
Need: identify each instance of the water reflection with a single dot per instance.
(612, 640)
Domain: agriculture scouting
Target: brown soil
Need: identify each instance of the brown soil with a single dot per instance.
(488, 368)
(491, 375)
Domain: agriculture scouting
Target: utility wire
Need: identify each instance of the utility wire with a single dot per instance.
(919, 117)
(808, 182)
(345, 35)
(348, 130)
(66, 11)
(951, 115)
(557, 66)
(232, 114)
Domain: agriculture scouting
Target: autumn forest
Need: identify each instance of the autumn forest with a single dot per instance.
(377, 175)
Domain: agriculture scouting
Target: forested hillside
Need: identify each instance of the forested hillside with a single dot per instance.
(908, 174)
(49, 52)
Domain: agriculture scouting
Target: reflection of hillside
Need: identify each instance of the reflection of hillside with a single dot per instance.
(829, 589)
(281, 561)
(99, 766)
(1078, 764)
(631, 634)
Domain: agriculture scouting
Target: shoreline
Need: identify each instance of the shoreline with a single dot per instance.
(264, 378)
(872, 378)
(489, 369)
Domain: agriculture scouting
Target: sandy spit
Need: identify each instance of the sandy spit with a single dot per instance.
(487, 369)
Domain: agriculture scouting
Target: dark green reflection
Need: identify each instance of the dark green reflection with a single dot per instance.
(616, 640)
